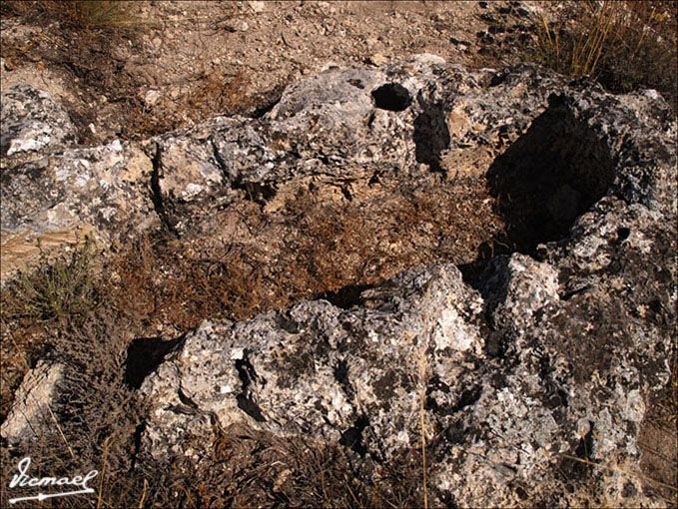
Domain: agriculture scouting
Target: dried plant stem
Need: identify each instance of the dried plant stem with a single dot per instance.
(143, 494)
(103, 473)
(423, 380)
(422, 419)
(61, 433)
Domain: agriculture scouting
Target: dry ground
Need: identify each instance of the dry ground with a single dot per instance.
(172, 64)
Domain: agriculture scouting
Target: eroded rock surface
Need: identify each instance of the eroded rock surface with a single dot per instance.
(33, 123)
(524, 361)
(536, 360)
(31, 416)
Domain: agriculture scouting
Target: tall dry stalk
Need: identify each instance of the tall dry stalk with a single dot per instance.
(624, 44)
(423, 376)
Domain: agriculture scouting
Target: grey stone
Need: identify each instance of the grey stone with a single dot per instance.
(548, 352)
(536, 362)
(33, 122)
(31, 417)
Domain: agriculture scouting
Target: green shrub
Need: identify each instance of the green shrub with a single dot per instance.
(65, 289)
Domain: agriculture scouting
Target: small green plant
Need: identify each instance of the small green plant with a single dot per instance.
(64, 289)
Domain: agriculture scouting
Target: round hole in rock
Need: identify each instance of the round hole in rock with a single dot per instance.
(392, 97)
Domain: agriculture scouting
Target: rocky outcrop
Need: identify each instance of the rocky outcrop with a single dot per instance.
(524, 367)
(335, 135)
(56, 195)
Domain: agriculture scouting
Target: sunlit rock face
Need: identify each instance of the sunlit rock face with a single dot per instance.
(538, 338)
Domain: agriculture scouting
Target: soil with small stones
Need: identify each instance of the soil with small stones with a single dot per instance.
(174, 64)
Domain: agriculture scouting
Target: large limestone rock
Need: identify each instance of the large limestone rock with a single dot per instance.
(360, 135)
(534, 361)
(54, 193)
(546, 353)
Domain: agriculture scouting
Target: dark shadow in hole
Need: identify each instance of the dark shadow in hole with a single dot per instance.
(261, 111)
(574, 470)
(144, 355)
(550, 176)
(431, 136)
(392, 97)
(353, 437)
(247, 376)
(264, 102)
(468, 397)
(345, 297)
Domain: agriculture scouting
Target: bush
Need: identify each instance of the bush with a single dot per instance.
(76, 15)
(65, 289)
(626, 45)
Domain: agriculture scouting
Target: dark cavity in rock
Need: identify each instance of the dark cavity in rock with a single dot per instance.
(144, 355)
(431, 136)
(353, 437)
(345, 297)
(392, 97)
(550, 176)
(247, 375)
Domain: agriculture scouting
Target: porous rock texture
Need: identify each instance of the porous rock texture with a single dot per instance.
(32, 122)
(516, 363)
(31, 412)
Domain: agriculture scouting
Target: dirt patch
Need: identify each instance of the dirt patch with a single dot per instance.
(171, 65)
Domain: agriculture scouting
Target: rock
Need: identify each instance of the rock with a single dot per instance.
(516, 288)
(33, 123)
(257, 6)
(378, 59)
(30, 417)
(352, 355)
(237, 25)
(528, 364)
(60, 198)
(151, 97)
(548, 352)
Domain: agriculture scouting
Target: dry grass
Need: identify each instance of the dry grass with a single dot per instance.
(154, 283)
(83, 46)
(63, 291)
(624, 44)
(210, 93)
(77, 15)
(65, 288)
(327, 247)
